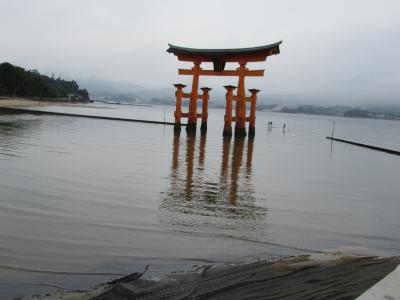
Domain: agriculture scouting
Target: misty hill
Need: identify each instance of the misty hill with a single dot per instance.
(101, 89)
(123, 91)
(132, 93)
(18, 82)
(343, 111)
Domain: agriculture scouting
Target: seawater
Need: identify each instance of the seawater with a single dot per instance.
(84, 200)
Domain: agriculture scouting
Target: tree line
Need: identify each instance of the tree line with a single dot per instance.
(18, 82)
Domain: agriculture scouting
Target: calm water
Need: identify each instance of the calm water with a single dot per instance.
(82, 200)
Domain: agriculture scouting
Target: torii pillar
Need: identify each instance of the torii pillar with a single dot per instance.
(204, 110)
(240, 127)
(252, 117)
(178, 109)
(228, 110)
(192, 115)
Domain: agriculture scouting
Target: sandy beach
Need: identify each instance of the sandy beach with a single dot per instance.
(16, 102)
(22, 102)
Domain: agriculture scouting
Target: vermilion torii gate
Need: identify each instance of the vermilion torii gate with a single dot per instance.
(219, 58)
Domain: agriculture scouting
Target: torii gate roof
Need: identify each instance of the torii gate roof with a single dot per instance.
(259, 53)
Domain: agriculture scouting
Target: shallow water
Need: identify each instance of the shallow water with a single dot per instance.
(83, 200)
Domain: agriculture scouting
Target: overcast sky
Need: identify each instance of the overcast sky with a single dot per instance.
(347, 50)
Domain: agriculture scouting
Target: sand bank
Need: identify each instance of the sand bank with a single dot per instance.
(22, 102)
(16, 102)
(332, 276)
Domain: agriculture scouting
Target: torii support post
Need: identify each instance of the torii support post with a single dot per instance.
(252, 118)
(192, 115)
(178, 110)
(228, 110)
(204, 113)
(240, 127)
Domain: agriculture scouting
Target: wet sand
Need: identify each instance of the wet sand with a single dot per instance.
(21, 102)
(303, 277)
(16, 102)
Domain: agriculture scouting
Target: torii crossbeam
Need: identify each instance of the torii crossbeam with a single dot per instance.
(219, 58)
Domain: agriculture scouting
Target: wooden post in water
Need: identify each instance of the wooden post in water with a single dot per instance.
(204, 113)
(178, 109)
(240, 127)
(228, 110)
(192, 116)
(252, 118)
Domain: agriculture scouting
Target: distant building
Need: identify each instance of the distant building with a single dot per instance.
(280, 107)
(75, 97)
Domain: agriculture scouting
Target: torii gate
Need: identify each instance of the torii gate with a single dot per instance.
(219, 57)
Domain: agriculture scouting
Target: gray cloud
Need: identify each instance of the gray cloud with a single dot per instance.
(338, 49)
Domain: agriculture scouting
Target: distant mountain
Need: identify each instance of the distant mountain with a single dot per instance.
(100, 87)
(123, 91)
(147, 95)
(129, 92)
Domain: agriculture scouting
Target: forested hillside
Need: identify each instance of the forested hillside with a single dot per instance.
(18, 82)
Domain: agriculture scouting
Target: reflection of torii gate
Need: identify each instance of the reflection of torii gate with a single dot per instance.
(219, 57)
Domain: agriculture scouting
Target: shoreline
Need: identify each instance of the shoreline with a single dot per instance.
(23, 110)
(18, 102)
(21, 106)
(317, 276)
